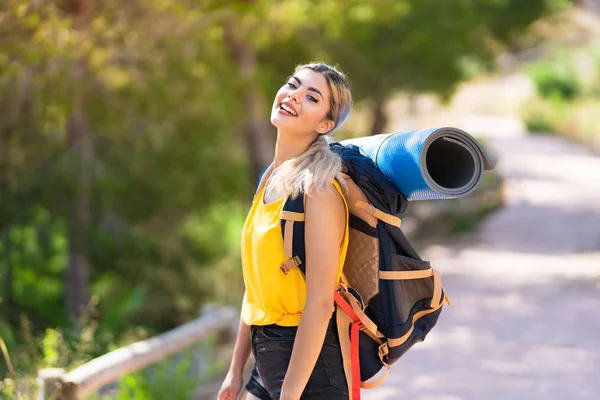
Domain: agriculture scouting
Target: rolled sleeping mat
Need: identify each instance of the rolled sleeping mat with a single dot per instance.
(428, 164)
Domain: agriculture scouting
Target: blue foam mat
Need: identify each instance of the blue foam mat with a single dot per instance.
(427, 164)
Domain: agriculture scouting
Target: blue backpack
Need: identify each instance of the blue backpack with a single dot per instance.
(388, 298)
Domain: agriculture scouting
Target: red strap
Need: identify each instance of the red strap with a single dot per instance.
(355, 361)
(354, 358)
(339, 300)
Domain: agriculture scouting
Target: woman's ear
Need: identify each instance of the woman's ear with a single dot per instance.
(325, 127)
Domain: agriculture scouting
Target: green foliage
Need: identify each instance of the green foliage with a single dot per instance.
(390, 46)
(55, 348)
(555, 79)
(164, 380)
(175, 377)
(7, 333)
(37, 254)
(159, 91)
(8, 389)
(468, 221)
(566, 102)
(51, 348)
(577, 120)
(171, 378)
(544, 116)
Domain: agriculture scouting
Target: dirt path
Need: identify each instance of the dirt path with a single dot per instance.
(525, 287)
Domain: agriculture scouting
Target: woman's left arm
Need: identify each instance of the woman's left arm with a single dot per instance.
(325, 222)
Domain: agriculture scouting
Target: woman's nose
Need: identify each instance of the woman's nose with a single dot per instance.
(293, 95)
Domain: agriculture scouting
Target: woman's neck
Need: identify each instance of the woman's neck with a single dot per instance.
(288, 147)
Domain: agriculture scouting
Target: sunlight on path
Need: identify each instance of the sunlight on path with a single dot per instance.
(525, 287)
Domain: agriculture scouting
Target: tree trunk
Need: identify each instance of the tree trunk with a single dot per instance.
(80, 146)
(6, 207)
(379, 117)
(78, 268)
(259, 134)
(6, 273)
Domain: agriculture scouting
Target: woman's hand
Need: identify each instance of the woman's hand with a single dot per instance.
(231, 387)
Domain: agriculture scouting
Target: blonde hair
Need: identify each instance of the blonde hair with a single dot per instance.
(313, 170)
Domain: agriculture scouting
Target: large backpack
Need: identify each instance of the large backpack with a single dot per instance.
(388, 298)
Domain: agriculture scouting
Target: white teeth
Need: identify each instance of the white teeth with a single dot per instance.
(288, 109)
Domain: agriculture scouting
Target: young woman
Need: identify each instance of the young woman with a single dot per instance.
(287, 319)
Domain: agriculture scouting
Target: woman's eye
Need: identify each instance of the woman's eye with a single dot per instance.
(311, 98)
(290, 84)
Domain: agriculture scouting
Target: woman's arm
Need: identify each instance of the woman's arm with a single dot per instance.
(325, 222)
(242, 349)
(232, 384)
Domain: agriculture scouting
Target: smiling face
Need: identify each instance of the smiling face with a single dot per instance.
(302, 104)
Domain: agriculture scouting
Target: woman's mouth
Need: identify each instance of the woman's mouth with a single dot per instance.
(286, 110)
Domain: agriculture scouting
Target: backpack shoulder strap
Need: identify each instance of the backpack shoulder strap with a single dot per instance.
(292, 228)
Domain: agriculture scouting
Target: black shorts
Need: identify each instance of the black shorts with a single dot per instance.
(272, 349)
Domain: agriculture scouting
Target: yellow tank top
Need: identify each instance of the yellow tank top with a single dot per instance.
(273, 297)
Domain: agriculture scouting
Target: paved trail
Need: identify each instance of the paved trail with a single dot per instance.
(525, 287)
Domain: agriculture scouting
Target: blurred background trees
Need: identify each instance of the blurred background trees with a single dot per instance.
(132, 133)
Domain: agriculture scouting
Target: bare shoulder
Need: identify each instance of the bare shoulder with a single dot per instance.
(326, 218)
(326, 201)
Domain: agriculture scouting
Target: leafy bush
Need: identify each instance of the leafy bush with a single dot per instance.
(173, 378)
(543, 116)
(581, 123)
(55, 348)
(164, 380)
(576, 120)
(563, 105)
(554, 79)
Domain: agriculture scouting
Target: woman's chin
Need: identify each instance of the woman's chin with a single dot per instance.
(279, 121)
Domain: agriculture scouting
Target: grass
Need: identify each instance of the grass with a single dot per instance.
(567, 102)
(176, 377)
(468, 221)
(545, 116)
(577, 120)
(465, 217)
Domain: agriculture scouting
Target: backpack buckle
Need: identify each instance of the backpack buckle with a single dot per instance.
(383, 350)
(297, 260)
(289, 264)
